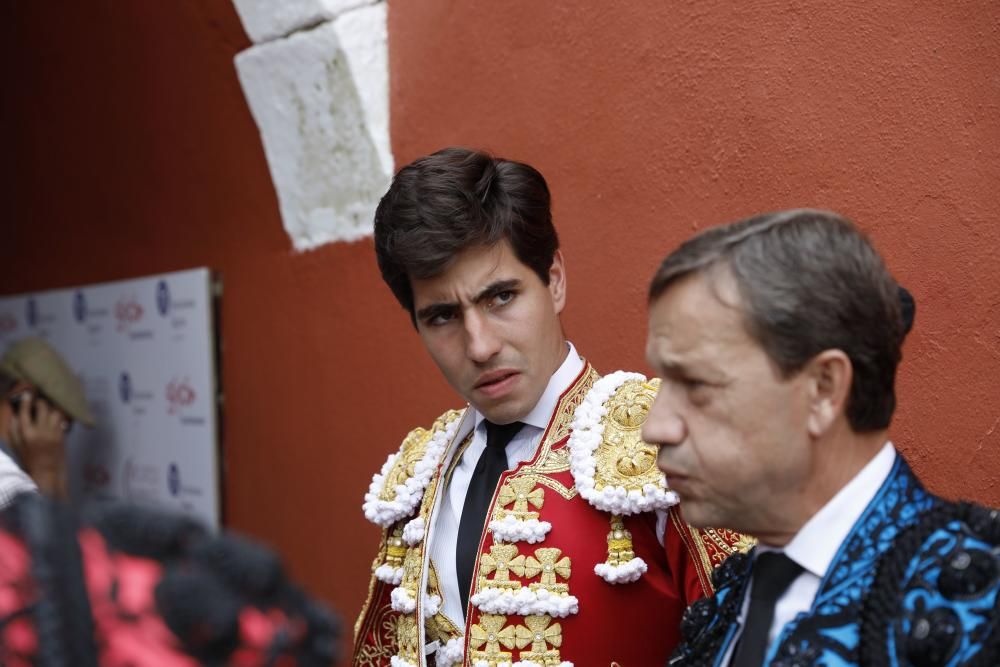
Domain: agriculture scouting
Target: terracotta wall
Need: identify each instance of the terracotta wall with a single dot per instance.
(130, 151)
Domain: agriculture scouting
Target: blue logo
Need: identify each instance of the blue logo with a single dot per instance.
(32, 313)
(174, 479)
(79, 307)
(163, 298)
(125, 387)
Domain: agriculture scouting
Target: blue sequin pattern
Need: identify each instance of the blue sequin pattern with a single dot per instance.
(914, 576)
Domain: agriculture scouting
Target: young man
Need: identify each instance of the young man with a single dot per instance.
(777, 340)
(531, 527)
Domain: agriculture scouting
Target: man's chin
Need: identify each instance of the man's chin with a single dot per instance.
(503, 412)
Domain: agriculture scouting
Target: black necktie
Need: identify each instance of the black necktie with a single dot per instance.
(773, 573)
(492, 463)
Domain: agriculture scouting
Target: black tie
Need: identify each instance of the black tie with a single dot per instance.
(492, 463)
(773, 573)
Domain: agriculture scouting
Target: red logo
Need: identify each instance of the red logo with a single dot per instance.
(128, 311)
(8, 323)
(179, 395)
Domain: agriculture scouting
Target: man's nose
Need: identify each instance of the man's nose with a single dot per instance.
(482, 341)
(664, 425)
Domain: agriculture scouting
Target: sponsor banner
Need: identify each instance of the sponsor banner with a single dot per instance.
(145, 350)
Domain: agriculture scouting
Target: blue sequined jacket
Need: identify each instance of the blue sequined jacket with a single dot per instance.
(915, 583)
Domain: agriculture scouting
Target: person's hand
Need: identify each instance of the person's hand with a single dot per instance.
(40, 444)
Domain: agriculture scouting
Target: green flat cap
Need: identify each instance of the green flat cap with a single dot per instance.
(34, 361)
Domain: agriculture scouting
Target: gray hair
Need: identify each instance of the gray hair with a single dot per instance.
(809, 281)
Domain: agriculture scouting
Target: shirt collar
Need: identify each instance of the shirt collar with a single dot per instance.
(541, 414)
(817, 542)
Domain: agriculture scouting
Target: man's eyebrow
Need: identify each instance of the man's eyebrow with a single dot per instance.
(447, 307)
(669, 368)
(495, 288)
(433, 310)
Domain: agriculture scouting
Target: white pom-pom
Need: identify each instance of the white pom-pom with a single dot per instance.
(389, 574)
(450, 653)
(413, 532)
(511, 529)
(625, 573)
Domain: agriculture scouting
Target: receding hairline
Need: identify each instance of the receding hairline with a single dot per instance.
(720, 252)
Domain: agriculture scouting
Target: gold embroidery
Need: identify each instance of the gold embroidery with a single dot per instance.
(726, 542)
(620, 550)
(383, 646)
(372, 581)
(439, 627)
(557, 460)
(407, 638)
(412, 450)
(540, 632)
(623, 459)
(547, 461)
(459, 452)
(520, 492)
(491, 633)
(566, 492)
(392, 633)
(546, 562)
(502, 559)
(395, 549)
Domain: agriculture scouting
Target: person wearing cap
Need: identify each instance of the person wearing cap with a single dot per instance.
(42, 397)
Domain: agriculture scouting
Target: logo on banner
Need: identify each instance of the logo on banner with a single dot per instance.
(79, 306)
(174, 479)
(128, 311)
(139, 480)
(180, 394)
(8, 323)
(32, 312)
(163, 298)
(125, 387)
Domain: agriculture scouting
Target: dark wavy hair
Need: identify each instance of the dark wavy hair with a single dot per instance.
(455, 199)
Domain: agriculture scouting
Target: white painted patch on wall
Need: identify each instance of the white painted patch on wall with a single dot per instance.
(265, 20)
(320, 97)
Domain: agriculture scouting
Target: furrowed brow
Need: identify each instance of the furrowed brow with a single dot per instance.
(435, 309)
(497, 287)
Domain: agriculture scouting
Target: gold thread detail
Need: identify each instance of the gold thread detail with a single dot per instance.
(501, 560)
(540, 632)
(492, 632)
(547, 565)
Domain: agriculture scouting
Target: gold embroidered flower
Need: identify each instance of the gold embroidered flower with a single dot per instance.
(546, 562)
(502, 559)
(521, 491)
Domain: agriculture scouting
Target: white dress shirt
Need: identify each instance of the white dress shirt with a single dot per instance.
(13, 480)
(521, 448)
(818, 541)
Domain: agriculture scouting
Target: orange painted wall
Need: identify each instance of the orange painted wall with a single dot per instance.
(130, 151)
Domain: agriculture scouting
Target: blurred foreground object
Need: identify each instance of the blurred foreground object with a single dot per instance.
(135, 586)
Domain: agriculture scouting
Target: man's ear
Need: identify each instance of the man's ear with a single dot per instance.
(829, 376)
(557, 281)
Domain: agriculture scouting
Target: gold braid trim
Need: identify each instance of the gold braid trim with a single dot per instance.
(712, 546)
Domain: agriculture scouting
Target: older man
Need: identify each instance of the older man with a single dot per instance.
(777, 340)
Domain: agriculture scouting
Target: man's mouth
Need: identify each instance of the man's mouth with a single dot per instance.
(496, 383)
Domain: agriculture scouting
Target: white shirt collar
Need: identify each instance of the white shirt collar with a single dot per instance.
(817, 542)
(560, 381)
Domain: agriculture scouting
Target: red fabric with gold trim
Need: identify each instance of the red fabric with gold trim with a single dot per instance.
(634, 624)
